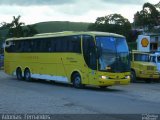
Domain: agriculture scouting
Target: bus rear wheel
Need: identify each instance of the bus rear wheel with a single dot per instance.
(77, 81)
(27, 75)
(19, 74)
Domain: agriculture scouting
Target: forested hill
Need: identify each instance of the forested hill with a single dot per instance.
(54, 26)
(57, 26)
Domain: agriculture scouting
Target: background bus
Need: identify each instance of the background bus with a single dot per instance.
(155, 58)
(142, 68)
(81, 58)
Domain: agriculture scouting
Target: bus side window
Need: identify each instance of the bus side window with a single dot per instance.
(65, 44)
(61, 44)
(89, 52)
(48, 45)
(10, 46)
(18, 46)
(39, 45)
(28, 47)
(58, 44)
(25, 45)
(53, 45)
(153, 59)
(34, 45)
(75, 44)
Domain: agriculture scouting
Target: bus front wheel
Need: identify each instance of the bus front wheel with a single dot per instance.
(133, 76)
(19, 74)
(27, 75)
(148, 80)
(77, 81)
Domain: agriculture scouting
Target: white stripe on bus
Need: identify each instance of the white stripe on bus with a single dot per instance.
(48, 77)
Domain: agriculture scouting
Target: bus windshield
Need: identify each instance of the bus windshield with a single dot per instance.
(141, 57)
(113, 54)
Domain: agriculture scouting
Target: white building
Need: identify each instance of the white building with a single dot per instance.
(153, 43)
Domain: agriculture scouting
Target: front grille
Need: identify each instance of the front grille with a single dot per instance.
(150, 68)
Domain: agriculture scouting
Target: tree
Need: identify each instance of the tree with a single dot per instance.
(148, 17)
(114, 23)
(30, 30)
(153, 13)
(157, 6)
(4, 25)
(1, 44)
(17, 28)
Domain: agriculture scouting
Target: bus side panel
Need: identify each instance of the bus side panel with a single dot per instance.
(74, 62)
(9, 64)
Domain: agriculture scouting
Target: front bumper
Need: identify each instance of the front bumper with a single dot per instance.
(110, 82)
(149, 76)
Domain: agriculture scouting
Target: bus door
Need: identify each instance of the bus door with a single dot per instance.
(89, 53)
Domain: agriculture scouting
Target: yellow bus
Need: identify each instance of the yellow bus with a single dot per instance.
(80, 58)
(142, 68)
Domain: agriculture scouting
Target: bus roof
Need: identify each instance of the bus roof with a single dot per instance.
(140, 52)
(68, 33)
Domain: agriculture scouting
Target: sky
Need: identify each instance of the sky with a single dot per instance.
(34, 11)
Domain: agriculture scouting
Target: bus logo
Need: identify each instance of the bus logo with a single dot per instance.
(144, 42)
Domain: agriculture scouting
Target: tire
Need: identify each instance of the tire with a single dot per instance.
(148, 80)
(77, 81)
(19, 74)
(27, 75)
(133, 76)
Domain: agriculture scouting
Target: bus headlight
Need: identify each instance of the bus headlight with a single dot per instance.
(142, 72)
(104, 77)
(127, 77)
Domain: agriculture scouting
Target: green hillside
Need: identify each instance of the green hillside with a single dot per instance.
(57, 26)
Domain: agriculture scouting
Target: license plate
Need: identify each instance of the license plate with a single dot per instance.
(117, 82)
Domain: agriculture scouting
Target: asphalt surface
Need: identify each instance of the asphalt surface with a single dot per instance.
(44, 97)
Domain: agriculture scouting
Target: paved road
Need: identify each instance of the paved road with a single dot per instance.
(45, 97)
